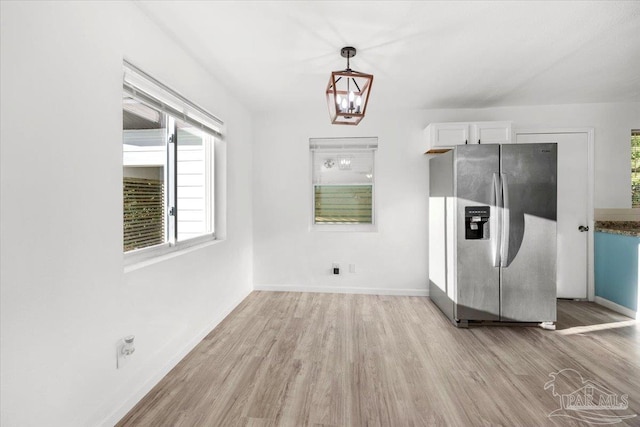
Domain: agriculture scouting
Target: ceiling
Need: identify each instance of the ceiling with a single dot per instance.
(279, 54)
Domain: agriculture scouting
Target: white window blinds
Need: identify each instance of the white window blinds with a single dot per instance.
(142, 86)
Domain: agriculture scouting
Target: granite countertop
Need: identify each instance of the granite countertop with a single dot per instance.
(626, 228)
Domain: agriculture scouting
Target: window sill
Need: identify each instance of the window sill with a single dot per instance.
(137, 260)
(368, 228)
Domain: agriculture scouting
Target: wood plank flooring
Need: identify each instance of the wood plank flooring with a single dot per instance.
(310, 359)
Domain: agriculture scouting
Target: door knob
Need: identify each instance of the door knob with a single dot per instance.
(582, 228)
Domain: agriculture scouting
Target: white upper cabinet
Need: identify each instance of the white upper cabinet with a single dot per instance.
(442, 137)
(491, 133)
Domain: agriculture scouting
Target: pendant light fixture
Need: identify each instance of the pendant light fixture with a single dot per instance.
(348, 93)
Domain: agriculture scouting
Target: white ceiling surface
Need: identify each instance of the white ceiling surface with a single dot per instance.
(278, 55)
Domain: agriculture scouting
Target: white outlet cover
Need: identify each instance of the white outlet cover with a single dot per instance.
(121, 358)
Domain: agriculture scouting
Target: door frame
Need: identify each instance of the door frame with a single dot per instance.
(590, 132)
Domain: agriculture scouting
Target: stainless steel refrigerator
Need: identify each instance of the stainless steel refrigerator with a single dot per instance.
(492, 233)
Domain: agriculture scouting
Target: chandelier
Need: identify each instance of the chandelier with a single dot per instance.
(348, 93)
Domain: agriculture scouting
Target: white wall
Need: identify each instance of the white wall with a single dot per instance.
(286, 254)
(65, 299)
(394, 260)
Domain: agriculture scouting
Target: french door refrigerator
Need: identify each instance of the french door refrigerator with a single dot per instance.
(492, 233)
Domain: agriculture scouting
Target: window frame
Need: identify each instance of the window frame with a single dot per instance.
(634, 150)
(145, 89)
(347, 146)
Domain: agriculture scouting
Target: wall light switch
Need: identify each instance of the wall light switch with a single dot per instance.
(336, 268)
(352, 268)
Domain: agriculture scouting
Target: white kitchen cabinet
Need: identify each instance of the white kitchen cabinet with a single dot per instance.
(442, 137)
(491, 133)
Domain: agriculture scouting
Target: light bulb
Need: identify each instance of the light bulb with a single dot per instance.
(351, 96)
(359, 101)
(344, 163)
(344, 104)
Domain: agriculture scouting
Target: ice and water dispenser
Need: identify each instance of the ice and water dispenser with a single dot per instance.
(476, 222)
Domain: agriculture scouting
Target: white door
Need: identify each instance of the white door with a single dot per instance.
(573, 209)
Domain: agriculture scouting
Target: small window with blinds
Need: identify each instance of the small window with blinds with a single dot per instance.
(168, 168)
(343, 183)
(635, 168)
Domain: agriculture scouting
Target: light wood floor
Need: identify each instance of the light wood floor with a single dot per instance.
(297, 359)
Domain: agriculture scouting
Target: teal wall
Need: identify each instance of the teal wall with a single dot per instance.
(616, 268)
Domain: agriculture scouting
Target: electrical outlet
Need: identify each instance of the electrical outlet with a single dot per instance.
(121, 359)
(124, 350)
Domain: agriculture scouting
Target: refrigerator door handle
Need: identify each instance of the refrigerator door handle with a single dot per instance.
(504, 241)
(497, 220)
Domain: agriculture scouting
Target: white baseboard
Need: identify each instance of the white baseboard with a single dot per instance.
(336, 290)
(142, 391)
(616, 307)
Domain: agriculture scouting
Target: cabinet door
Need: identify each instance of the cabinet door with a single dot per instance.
(490, 133)
(447, 135)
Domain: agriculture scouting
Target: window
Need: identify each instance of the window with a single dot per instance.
(635, 168)
(168, 168)
(343, 183)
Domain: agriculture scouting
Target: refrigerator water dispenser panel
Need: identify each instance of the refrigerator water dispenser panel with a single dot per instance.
(476, 222)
